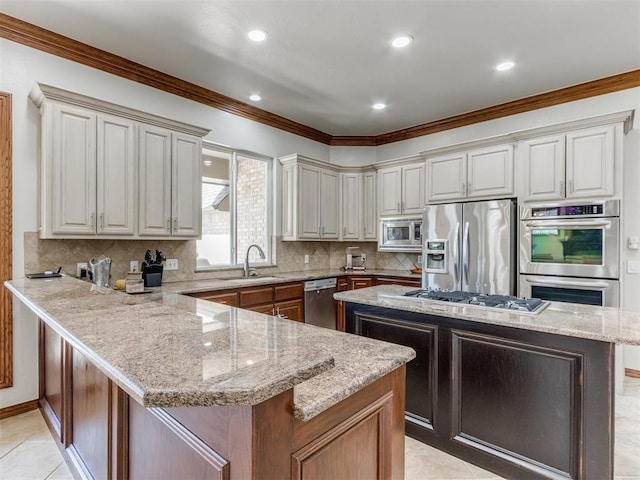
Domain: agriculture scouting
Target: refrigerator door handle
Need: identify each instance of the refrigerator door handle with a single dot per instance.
(465, 255)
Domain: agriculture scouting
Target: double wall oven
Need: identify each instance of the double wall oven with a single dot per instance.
(570, 252)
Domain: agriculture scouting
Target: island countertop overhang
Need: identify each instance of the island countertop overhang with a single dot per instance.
(583, 321)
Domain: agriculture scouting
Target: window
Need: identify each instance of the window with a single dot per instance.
(236, 207)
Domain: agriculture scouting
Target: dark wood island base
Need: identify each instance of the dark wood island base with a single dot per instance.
(521, 403)
(105, 434)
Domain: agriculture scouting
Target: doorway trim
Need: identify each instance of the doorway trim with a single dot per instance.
(6, 243)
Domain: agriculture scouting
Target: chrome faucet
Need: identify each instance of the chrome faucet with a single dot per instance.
(246, 258)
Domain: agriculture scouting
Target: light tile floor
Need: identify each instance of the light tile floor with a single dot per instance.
(28, 452)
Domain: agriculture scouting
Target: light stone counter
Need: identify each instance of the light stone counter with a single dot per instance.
(169, 350)
(584, 321)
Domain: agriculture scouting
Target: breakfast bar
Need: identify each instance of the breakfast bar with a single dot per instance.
(524, 395)
(168, 386)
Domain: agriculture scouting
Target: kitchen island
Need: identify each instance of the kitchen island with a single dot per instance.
(523, 395)
(167, 386)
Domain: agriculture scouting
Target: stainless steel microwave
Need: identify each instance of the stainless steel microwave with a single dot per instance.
(400, 234)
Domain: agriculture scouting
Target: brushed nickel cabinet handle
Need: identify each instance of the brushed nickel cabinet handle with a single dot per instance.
(398, 208)
(561, 187)
(168, 224)
(92, 226)
(464, 188)
(175, 224)
(102, 222)
(470, 188)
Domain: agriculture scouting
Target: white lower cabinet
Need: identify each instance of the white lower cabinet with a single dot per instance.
(105, 174)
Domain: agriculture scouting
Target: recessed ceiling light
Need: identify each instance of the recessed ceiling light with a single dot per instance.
(378, 106)
(208, 163)
(501, 67)
(402, 41)
(255, 98)
(257, 35)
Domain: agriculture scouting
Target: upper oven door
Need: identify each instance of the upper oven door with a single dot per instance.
(577, 247)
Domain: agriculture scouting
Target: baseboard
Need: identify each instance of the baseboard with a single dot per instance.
(629, 372)
(23, 408)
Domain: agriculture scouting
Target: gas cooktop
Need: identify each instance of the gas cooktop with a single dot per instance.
(507, 302)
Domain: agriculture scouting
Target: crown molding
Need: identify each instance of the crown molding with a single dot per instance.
(39, 38)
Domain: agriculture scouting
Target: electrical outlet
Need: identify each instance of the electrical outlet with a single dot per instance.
(419, 262)
(633, 266)
(306, 258)
(133, 266)
(79, 268)
(171, 264)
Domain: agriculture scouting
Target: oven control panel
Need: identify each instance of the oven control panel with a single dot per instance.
(568, 211)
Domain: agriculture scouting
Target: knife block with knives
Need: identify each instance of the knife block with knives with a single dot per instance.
(152, 269)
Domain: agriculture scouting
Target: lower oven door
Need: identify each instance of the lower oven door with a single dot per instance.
(600, 292)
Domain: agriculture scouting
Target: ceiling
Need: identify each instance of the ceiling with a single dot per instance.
(326, 62)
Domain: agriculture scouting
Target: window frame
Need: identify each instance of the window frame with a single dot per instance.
(234, 153)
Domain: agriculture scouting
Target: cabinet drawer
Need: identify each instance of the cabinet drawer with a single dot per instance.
(228, 298)
(256, 296)
(408, 282)
(343, 284)
(360, 282)
(285, 292)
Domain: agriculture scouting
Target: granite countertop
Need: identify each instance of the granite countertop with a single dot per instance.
(584, 321)
(194, 286)
(169, 350)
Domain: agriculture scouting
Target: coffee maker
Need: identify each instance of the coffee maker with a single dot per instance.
(355, 259)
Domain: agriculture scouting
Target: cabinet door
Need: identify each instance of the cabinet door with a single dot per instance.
(308, 202)
(389, 190)
(490, 172)
(292, 310)
(369, 207)
(116, 177)
(543, 168)
(413, 188)
(72, 172)
(289, 204)
(351, 206)
(267, 309)
(590, 162)
(186, 186)
(155, 182)
(329, 204)
(447, 177)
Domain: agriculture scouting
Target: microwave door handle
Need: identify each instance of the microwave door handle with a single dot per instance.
(568, 283)
(566, 225)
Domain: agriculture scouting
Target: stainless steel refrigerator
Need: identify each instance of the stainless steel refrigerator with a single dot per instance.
(470, 247)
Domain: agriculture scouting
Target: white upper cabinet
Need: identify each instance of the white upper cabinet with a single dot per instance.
(351, 205)
(155, 181)
(68, 172)
(116, 186)
(107, 171)
(401, 189)
(447, 177)
(472, 174)
(578, 164)
(310, 200)
(590, 166)
(170, 183)
(369, 206)
(186, 185)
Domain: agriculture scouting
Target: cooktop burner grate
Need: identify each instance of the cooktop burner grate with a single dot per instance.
(531, 305)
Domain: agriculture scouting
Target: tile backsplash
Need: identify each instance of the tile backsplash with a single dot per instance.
(41, 255)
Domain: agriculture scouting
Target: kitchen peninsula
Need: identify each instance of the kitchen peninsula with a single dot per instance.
(168, 386)
(524, 395)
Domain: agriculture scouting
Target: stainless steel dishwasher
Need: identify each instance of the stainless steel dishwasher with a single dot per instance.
(319, 305)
